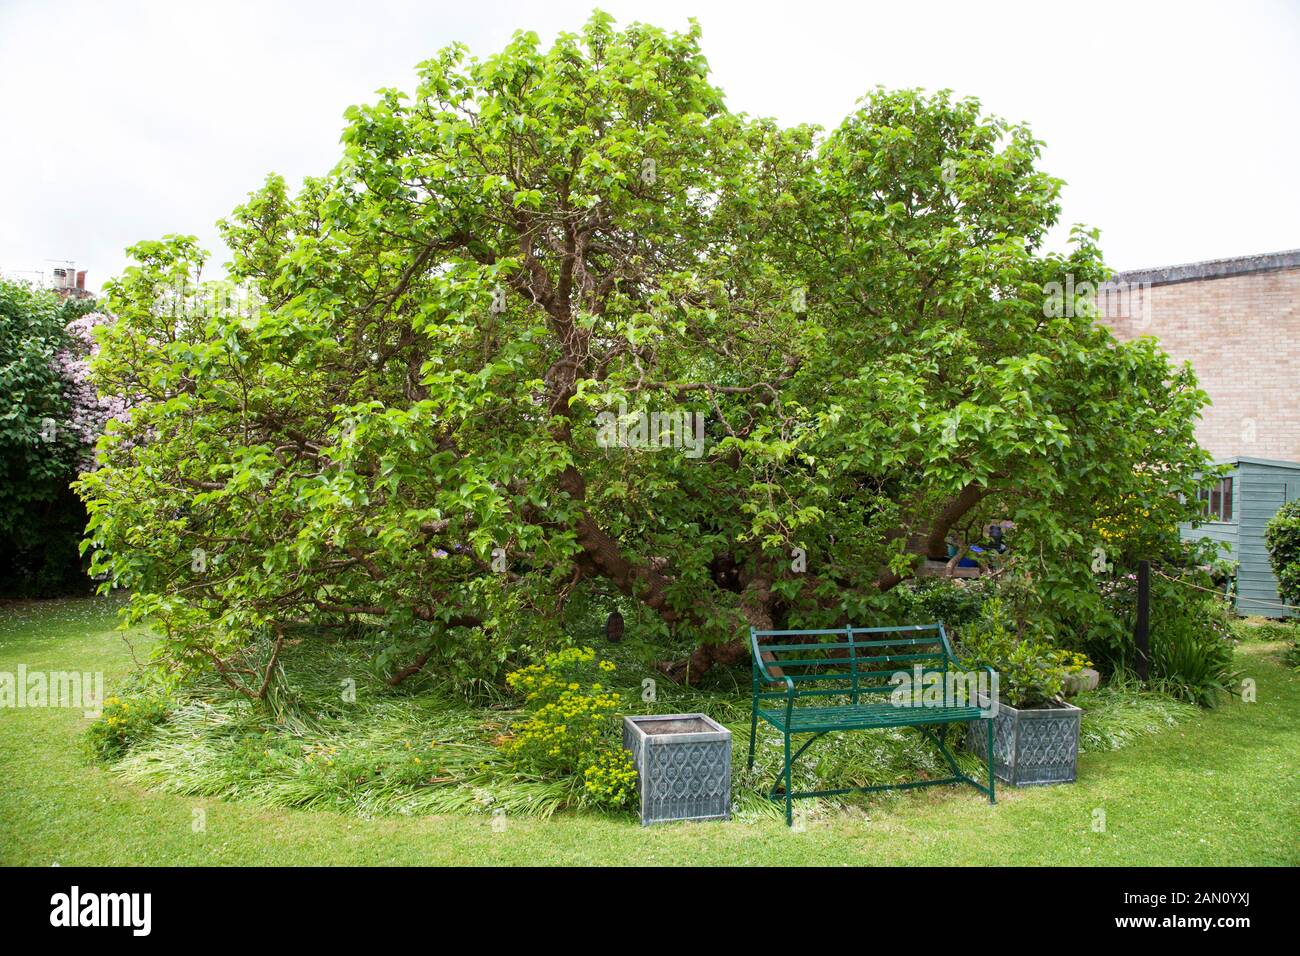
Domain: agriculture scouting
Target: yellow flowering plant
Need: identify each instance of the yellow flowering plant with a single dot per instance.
(611, 779)
(569, 725)
(123, 721)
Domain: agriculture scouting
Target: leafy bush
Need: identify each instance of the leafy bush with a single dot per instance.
(569, 727)
(46, 432)
(1031, 671)
(125, 721)
(955, 602)
(1191, 635)
(611, 779)
(1282, 538)
(1099, 621)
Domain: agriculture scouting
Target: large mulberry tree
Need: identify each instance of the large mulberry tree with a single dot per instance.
(404, 431)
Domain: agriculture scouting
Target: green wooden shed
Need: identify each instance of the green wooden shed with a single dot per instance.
(1236, 510)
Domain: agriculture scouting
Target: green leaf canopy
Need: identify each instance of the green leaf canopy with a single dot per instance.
(438, 411)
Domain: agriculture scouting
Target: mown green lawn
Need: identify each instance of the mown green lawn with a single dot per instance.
(1220, 788)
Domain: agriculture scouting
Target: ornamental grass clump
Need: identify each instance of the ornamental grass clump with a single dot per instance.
(569, 728)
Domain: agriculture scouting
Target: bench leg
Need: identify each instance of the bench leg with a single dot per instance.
(789, 805)
(753, 731)
(989, 721)
(941, 741)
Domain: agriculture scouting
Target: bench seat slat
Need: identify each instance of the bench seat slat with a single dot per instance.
(882, 678)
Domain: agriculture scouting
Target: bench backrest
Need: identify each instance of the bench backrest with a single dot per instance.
(846, 661)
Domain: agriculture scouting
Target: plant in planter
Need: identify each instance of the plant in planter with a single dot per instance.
(1035, 732)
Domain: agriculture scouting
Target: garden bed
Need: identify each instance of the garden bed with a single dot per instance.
(423, 749)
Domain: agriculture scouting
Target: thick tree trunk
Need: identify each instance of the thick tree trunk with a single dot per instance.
(936, 542)
(601, 551)
(756, 602)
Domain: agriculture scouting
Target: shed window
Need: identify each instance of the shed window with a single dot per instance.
(1217, 500)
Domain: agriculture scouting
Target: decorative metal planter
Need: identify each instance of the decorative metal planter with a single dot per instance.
(1031, 746)
(683, 764)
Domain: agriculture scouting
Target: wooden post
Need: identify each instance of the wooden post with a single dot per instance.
(1142, 633)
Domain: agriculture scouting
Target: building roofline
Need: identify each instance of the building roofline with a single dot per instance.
(1212, 269)
(1276, 463)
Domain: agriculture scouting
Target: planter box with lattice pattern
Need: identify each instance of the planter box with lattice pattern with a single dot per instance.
(683, 764)
(1031, 746)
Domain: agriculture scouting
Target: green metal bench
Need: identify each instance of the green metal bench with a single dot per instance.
(842, 680)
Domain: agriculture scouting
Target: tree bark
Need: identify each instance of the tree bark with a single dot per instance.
(416, 665)
(756, 601)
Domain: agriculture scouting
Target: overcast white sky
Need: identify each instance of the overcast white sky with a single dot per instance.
(1174, 124)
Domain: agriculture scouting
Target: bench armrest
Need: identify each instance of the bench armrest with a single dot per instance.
(761, 666)
(772, 678)
(993, 675)
(789, 684)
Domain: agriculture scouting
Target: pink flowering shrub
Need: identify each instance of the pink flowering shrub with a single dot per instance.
(88, 412)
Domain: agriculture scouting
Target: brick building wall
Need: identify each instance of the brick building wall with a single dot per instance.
(1238, 322)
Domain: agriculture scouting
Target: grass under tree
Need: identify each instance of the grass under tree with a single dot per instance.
(1216, 788)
